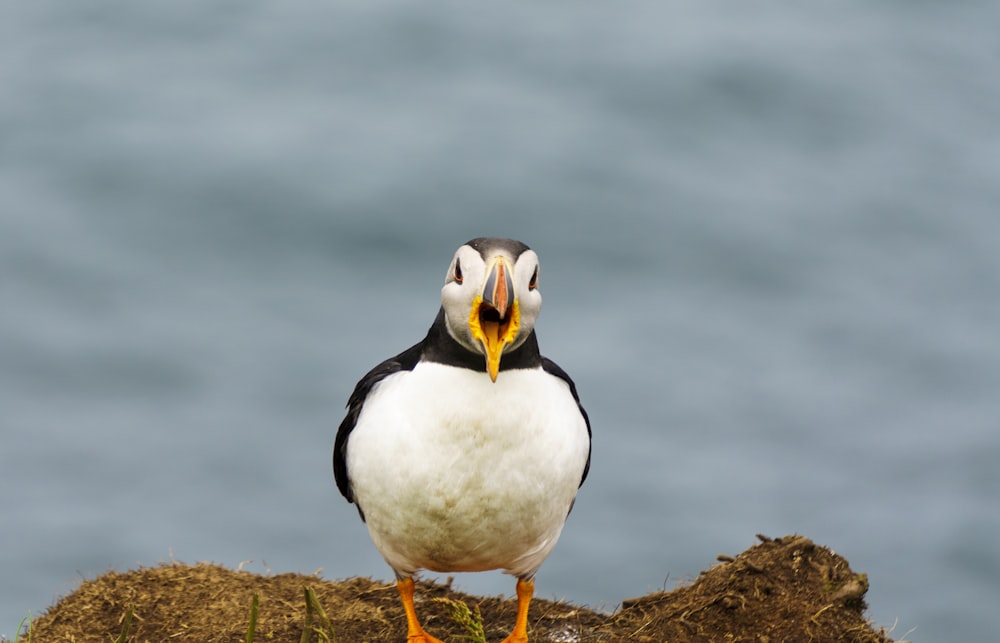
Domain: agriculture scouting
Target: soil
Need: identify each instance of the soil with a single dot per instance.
(780, 590)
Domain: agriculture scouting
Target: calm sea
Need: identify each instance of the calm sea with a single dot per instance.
(769, 239)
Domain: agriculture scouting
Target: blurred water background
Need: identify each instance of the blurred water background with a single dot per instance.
(770, 246)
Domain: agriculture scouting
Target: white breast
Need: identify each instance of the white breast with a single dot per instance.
(457, 473)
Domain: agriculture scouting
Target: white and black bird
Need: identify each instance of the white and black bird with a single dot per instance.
(464, 453)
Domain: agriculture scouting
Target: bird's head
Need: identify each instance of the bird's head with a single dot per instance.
(490, 297)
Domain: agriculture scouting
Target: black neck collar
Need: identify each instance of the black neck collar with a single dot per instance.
(439, 346)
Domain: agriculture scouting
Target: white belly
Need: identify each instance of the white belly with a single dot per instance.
(482, 478)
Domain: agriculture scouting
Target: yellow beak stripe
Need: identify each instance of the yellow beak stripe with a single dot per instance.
(493, 335)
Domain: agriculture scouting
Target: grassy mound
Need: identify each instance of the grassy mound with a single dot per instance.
(785, 589)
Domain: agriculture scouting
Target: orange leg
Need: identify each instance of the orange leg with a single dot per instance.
(414, 633)
(525, 590)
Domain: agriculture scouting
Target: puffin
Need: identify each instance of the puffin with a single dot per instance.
(464, 453)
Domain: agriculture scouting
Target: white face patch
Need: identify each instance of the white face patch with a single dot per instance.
(465, 281)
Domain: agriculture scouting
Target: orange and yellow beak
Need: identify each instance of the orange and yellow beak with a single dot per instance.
(495, 317)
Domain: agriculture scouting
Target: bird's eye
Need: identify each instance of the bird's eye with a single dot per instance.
(534, 280)
(458, 271)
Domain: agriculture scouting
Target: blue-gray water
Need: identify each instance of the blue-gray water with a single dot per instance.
(769, 242)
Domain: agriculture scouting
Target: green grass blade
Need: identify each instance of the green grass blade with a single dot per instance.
(252, 628)
(315, 613)
(307, 628)
(20, 628)
(123, 637)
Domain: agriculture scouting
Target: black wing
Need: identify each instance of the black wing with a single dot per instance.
(405, 361)
(553, 369)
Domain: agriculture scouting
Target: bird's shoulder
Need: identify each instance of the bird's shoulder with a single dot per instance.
(405, 361)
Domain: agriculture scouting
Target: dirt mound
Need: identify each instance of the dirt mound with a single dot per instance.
(785, 589)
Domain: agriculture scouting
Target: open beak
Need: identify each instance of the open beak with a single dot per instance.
(495, 317)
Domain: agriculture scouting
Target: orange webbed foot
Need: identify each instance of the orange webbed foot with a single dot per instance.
(414, 632)
(423, 637)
